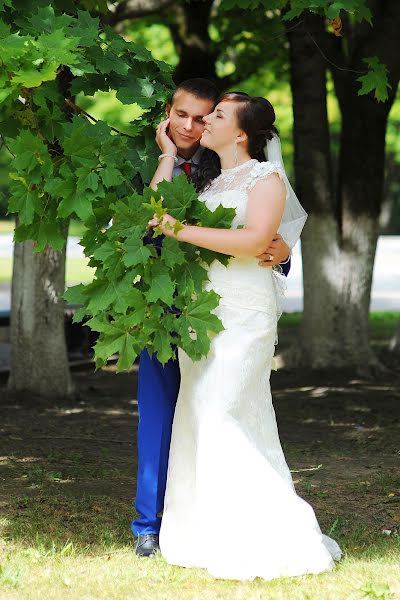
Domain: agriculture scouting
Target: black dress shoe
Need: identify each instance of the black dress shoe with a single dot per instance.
(147, 544)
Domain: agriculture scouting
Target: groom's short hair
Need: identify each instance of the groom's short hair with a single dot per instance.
(199, 87)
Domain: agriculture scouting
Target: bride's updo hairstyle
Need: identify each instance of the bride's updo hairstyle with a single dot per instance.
(256, 117)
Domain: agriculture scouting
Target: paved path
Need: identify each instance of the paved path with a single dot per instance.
(385, 286)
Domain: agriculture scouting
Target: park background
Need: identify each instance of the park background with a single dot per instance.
(69, 465)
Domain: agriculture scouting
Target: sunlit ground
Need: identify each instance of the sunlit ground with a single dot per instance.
(68, 474)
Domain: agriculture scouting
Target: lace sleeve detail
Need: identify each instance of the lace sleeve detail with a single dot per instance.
(262, 170)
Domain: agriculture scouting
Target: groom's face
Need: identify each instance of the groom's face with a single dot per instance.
(186, 124)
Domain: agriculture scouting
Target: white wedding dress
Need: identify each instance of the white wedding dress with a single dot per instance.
(230, 503)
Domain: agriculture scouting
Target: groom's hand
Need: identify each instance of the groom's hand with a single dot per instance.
(277, 252)
(163, 139)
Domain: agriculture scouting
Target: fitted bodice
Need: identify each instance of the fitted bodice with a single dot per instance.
(242, 282)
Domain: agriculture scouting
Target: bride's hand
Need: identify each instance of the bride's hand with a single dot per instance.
(166, 224)
(163, 140)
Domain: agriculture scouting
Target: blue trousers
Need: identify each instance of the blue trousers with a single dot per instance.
(157, 394)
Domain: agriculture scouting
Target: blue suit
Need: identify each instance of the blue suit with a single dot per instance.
(157, 394)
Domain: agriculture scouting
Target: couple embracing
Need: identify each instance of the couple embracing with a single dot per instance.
(210, 458)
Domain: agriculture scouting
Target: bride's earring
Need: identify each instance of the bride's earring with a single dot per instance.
(235, 153)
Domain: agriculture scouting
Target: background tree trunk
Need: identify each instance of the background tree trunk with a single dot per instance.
(395, 341)
(312, 165)
(39, 362)
(189, 30)
(339, 240)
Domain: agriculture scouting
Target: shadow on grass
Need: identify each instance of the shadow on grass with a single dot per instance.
(68, 469)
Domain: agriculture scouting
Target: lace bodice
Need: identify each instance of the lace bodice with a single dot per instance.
(243, 282)
(232, 186)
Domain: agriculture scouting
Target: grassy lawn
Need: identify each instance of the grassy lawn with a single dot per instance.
(68, 479)
(115, 573)
(75, 228)
(77, 270)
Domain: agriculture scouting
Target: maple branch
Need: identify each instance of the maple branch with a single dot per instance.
(3, 143)
(134, 9)
(83, 112)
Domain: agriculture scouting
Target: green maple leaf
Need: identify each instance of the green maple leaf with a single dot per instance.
(356, 7)
(127, 353)
(138, 91)
(111, 176)
(143, 154)
(76, 294)
(107, 61)
(24, 201)
(79, 203)
(136, 252)
(199, 315)
(151, 324)
(59, 47)
(105, 251)
(45, 20)
(58, 187)
(161, 288)
(123, 343)
(30, 152)
(117, 336)
(375, 80)
(208, 256)
(197, 323)
(104, 292)
(79, 143)
(130, 218)
(220, 218)
(44, 233)
(190, 277)
(171, 253)
(32, 78)
(86, 28)
(136, 305)
(162, 342)
(178, 196)
(87, 179)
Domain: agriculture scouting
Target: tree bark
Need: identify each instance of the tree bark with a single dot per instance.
(189, 30)
(339, 240)
(312, 165)
(395, 341)
(133, 9)
(39, 362)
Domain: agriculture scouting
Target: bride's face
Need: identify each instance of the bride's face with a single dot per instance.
(221, 128)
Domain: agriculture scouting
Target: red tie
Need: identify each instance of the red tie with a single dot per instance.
(187, 167)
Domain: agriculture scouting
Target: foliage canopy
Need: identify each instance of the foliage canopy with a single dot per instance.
(66, 164)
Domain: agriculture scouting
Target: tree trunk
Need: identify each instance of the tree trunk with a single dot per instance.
(189, 30)
(339, 240)
(312, 165)
(39, 362)
(395, 341)
(361, 176)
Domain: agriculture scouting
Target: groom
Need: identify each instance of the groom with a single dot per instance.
(159, 385)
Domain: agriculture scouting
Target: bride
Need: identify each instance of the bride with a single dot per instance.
(230, 504)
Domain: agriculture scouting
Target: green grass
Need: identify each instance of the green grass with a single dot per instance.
(77, 270)
(6, 226)
(381, 323)
(60, 541)
(76, 227)
(56, 567)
